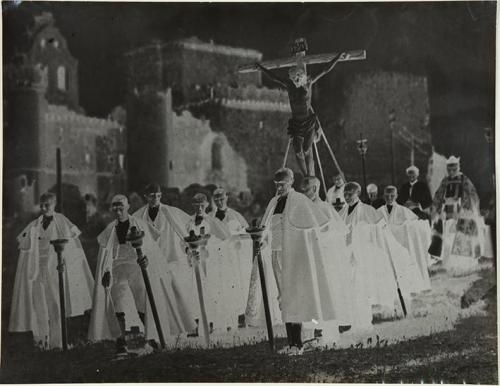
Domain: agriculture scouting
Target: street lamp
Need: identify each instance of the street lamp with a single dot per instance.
(362, 148)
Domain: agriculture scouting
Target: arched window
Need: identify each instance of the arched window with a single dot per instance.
(217, 155)
(61, 78)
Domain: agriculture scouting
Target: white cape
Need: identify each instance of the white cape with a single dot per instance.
(307, 292)
(381, 260)
(238, 256)
(414, 235)
(78, 279)
(174, 316)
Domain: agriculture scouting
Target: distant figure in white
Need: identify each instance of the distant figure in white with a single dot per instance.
(214, 269)
(35, 299)
(411, 232)
(238, 254)
(336, 193)
(383, 265)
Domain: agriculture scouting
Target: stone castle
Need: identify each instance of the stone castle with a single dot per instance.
(42, 113)
(192, 118)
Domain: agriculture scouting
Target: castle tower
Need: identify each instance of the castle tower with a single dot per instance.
(196, 128)
(49, 51)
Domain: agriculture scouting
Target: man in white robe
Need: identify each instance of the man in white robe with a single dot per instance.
(341, 269)
(336, 192)
(215, 269)
(238, 249)
(301, 269)
(35, 299)
(167, 227)
(411, 232)
(382, 263)
(120, 291)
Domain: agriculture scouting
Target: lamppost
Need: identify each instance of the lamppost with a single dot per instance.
(489, 135)
(362, 148)
(392, 119)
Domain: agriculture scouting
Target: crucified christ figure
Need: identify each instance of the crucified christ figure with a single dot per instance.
(304, 126)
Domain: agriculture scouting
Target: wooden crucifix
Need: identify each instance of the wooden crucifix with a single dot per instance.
(304, 127)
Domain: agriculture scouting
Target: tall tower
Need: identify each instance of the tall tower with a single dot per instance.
(49, 51)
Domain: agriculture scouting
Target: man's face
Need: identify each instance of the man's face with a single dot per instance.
(351, 196)
(412, 175)
(390, 197)
(153, 199)
(338, 181)
(310, 190)
(452, 170)
(200, 207)
(372, 195)
(221, 201)
(120, 209)
(47, 207)
(283, 187)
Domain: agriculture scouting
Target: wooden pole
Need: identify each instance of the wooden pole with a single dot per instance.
(393, 161)
(201, 298)
(59, 247)
(135, 237)
(59, 190)
(256, 235)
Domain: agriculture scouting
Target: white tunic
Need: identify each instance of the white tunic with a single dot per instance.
(414, 235)
(35, 298)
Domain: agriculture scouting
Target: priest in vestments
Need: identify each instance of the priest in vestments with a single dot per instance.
(411, 232)
(301, 268)
(216, 269)
(238, 250)
(384, 264)
(35, 298)
(456, 206)
(415, 194)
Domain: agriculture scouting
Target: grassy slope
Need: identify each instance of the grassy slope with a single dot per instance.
(466, 354)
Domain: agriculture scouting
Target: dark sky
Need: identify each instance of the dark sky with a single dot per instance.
(453, 42)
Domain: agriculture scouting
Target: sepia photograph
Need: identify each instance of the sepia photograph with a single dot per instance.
(260, 192)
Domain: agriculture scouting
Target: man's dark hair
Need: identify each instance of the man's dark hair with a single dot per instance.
(152, 188)
(47, 197)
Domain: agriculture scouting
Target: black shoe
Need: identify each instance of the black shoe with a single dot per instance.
(193, 334)
(241, 321)
(344, 329)
(318, 333)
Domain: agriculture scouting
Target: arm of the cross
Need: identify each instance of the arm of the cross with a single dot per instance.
(309, 59)
(271, 75)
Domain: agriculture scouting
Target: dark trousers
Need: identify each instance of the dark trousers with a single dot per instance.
(294, 334)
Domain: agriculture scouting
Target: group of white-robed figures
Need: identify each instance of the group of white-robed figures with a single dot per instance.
(330, 269)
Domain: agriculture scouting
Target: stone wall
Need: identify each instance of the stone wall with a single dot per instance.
(368, 100)
(90, 149)
(201, 155)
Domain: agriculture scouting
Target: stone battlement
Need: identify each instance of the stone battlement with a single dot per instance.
(196, 44)
(61, 114)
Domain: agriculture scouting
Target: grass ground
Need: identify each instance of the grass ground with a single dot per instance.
(468, 353)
